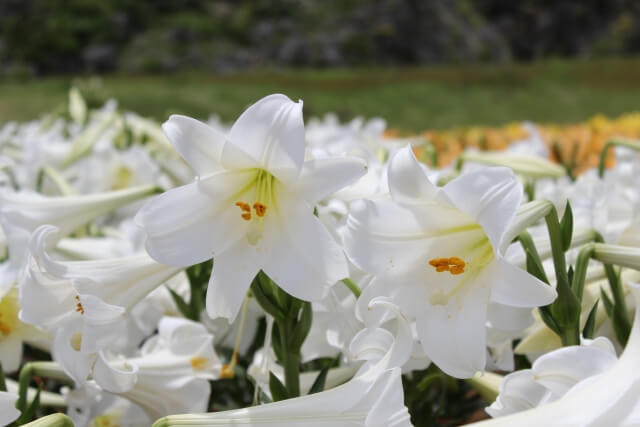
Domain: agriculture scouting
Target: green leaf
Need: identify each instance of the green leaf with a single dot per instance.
(608, 304)
(278, 390)
(183, 306)
(265, 300)
(30, 413)
(547, 318)
(321, 379)
(590, 326)
(566, 226)
(302, 327)
(534, 264)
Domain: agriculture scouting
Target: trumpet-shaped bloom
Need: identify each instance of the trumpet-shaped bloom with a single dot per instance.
(373, 397)
(607, 399)
(251, 207)
(84, 302)
(552, 375)
(439, 253)
(13, 332)
(22, 213)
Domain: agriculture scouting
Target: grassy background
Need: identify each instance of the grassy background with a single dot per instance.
(409, 98)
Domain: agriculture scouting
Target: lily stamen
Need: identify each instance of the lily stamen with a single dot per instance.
(79, 307)
(453, 265)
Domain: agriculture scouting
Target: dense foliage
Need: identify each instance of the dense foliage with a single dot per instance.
(128, 35)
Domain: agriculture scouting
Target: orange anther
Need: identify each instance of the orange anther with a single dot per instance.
(260, 208)
(246, 216)
(453, 265)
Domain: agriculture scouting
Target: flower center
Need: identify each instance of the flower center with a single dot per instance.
(479, 255)
(199, 363)
(254, 209)
(106, 420)
(453, 265)
(8, 314)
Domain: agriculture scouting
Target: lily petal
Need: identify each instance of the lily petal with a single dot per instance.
(491, 196)
(306, 259)
(517, 288)
(232, 274)
(453, 335)
(199, 144)
(408, 183)
(271, 133)
(174, 236)
(320, 178)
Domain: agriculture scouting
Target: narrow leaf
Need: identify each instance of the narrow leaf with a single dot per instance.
(608, 304)
(30, 413)
(590, 326)
(302, 327)
(278, 390)
(183, 306)
(321, 379)
(566, 226)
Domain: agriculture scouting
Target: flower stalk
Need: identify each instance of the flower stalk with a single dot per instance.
(619, 142)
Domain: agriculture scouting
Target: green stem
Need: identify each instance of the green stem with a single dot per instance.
(621, 313)
(629, 143)
(292, 372)
(557, 246)
(352, 287)
(43, 369)
(580, 273)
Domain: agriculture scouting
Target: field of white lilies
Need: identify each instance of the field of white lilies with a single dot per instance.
(274, 272)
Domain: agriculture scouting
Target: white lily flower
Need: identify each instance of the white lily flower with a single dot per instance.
(22, 213)
(84, 302)
(90, 406)
(13, 332)
(8, 411)
(439, 251)
(607, 399)
(552, 375)
(373, 398)
(251, 207)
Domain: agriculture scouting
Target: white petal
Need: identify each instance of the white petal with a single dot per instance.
(271, 132)
(491, 196)
(103, 323)
(10, 352)
(518, 392)
(321, 178)
(307, 260)
(560, 370)
(454, 335)
(232, 274)
(8, 411)
(386, 237)
(199, 144)
(193, 223)
(407, 181)
(64, 351)
(508, 318)
(517, 288)
(112, 379)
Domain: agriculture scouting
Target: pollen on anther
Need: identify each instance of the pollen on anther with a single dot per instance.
(79, 307)
(246, 216)
(453, 265)
(260, 208)
(244, 206)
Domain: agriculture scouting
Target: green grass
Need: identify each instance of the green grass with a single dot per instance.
(409, 98)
